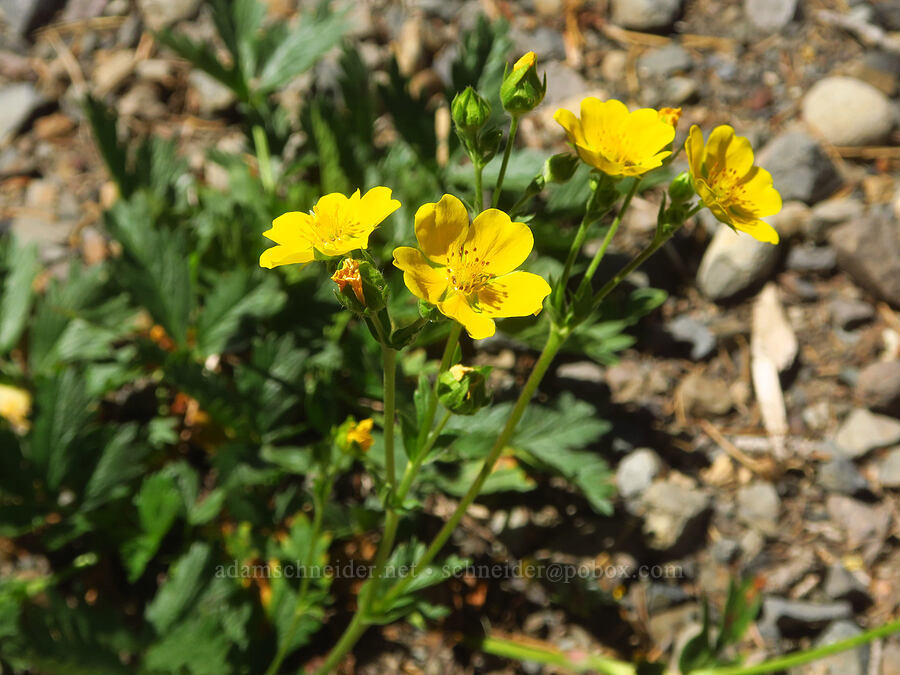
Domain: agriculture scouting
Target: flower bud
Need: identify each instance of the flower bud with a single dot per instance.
(681, 188)
(522, 90)
(15, 407)
(470, 111)
(560, 168)
(463, 390)
(357, 434)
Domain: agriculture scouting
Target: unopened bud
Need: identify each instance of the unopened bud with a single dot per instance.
(522, 90)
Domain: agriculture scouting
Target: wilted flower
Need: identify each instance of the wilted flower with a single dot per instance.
(670, 115)
(361, 434)
(336, 226)
(466, 270)
(348, 273)
(737, 192)
(618, 142)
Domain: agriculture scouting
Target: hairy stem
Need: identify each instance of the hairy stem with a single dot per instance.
(513, 127)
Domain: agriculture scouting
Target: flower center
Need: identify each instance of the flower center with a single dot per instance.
(727, 186)
(336, 228)
(465, 270)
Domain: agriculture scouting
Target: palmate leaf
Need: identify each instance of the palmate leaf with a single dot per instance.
(158, 505)
(63, 409)
(235, 297)
(115, 154)
(155, 267)
(119, 463)
(179, 590)
(203, 57)
(299, 50)
(15, 302)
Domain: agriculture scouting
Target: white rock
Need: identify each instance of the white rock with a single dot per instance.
(645, 14)
(847, 111)
(770, 15)
(733, 263)
(864, 431)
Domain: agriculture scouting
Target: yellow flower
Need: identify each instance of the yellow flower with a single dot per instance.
(618, 142)
(459, 371)
(466, 270)
(361, 434)
(737, 192)
(15, 406)
(336, 226)
(527, 60)
(670, 115)
(348, 273)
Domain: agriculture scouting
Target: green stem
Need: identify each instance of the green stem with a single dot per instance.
(449, 351)
(513, 127)
(549, 655)
(389, 357)
(479, 189)
(300, 605)
(655, 245)
(554, 342)
(351, 635)
(578, 242)
(598, 256)
(263, 158)
(518, 205)
(799, 658)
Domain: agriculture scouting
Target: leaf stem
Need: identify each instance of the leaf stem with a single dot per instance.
(550, 655)
(513, 127)
(389, 357)
(588, 218)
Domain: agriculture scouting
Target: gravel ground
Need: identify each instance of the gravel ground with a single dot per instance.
(758, 415)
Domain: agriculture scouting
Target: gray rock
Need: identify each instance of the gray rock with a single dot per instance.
(800, 168)
(830, 213)
(733, 264)
(841, 475)
(847, 111)
(211, 95)
(645, 14)
(581, 371)
(770, 15)
(889, 469)
(887, 14)
(18, 102)
(159, 14)
(665, 61)
(24, 16)
(674, 516)
(860, 523)
(841, 584)
(636, 472)
(784, 576)
(545, 41)
(878, 387)
(704, 396)
(724, 550)
(816, 259)
(864, 431)
(868, 249)
(758, 506)
(852, 662)
(782, 617)
(678, 90)
(685, 329)
(850, 314)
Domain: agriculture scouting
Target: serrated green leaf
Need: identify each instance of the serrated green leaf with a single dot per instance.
(300, 50)
(158, 505)
(15, 303)
(119, 463)
(178, 591)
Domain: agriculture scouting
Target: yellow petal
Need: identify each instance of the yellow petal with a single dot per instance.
(646, 134)
(285, 255)
(441, 226)
(376, 205)
(516, 294)
(762, 194)
(422, 280)
(693, 148)
(501, 243)
(294, 228)
(602, 120)
(477, 325)
(568, 121)
(717, 147)
(760, 230)
(526, 61)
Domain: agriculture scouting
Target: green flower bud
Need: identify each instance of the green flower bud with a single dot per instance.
(488, 144)
(470, 111)
(522, 90)
(681, 188)
(463, 390)
(560, 168)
